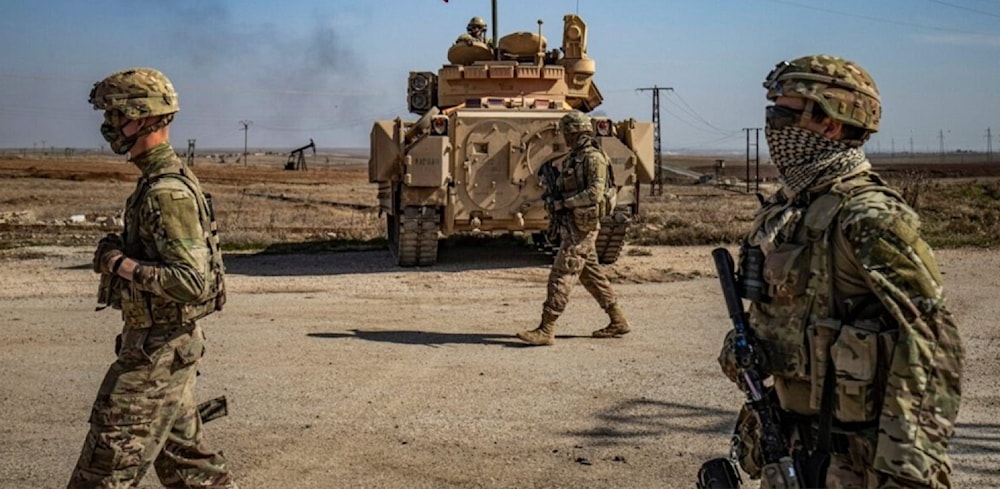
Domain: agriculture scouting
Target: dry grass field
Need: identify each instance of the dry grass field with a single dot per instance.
(332, 206)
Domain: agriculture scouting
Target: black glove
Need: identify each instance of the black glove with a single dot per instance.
(107, 247)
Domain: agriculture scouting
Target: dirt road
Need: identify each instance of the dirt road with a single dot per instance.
(345, 371)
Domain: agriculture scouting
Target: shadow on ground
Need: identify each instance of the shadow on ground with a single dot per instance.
(431, 338)
(455, 254)
(645, 418)
(973, 447)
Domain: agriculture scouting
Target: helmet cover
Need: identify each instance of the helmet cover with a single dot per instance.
(135, 92)
(576, 122)
(845, 91)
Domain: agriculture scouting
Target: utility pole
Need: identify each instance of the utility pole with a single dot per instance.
(756, 158)
(246, 129)
(941, 145)
(657, 187)
(989, 145)
(190, 153)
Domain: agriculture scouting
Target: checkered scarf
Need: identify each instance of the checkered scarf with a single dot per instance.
(807, 159)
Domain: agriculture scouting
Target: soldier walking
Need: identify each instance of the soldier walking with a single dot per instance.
(847, 311)
(581, 184)
(163, 272)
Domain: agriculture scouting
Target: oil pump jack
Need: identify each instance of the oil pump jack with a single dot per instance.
(297, 160)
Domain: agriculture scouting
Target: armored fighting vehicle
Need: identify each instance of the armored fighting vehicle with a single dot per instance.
(489, 120)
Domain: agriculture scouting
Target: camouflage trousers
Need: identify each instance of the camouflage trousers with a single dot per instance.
(577, 257)
(145, 414)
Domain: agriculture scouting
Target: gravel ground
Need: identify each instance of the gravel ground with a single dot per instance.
(344, 371)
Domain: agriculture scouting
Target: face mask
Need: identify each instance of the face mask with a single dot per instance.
(111, 131)
(573, 138)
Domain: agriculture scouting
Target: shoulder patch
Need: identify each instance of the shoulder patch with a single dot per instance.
(179, 219)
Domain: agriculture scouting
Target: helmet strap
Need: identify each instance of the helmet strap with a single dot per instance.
(807, 112)
(156, 126)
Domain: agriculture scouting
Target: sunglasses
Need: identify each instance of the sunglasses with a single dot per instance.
(779, 116)
(115, 118)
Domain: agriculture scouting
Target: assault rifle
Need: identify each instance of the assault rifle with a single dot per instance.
(549, 175)
(778, 465)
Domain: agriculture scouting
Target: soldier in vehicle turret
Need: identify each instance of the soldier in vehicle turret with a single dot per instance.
(475, 32)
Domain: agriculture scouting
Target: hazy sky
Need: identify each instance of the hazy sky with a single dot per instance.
(325, 69)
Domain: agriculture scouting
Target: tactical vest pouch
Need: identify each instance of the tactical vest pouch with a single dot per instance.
(570, 186)
(165, 312)
(855, 356)
(786, 270)
(793, 395)
(821, 335)
(135, 309)
(144, 310)
(587, 218)
(194, 312)
(780, 328)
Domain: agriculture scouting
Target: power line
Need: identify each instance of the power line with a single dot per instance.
(874, 19)
(686, 108)
(960, 7)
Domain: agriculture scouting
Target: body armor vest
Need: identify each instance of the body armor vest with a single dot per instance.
(574, 177)
(142, 309)
(803, 321)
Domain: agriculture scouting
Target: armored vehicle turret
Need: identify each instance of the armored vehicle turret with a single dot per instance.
(489, 121)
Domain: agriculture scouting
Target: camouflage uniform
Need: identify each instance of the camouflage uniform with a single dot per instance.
(582, 183)
(476, 32)
(145, 412)
(849, 284)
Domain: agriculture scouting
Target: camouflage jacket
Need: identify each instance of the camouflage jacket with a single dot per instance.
(467, 38)
(166, 220)
(584, 175)
(859, 266)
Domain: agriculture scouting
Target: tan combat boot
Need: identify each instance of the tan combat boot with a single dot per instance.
(544, 334)
(618, 325)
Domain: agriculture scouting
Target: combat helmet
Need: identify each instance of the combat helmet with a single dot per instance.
(576, 122)
(476, 22)
(845, 91)
(136, 93)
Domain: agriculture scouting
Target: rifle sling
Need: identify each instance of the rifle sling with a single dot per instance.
(826, 411)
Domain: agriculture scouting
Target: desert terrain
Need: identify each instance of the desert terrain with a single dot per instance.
(343, 370)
